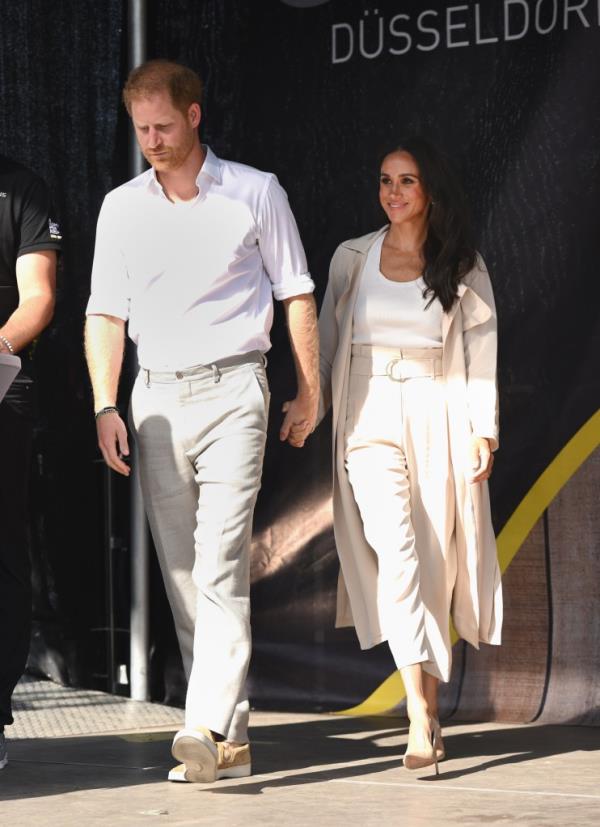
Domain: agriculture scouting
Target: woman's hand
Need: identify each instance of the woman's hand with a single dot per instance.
(481, 460)
(299, 422)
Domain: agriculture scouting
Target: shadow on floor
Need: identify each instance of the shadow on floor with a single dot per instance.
(318, 743)
(327, 748)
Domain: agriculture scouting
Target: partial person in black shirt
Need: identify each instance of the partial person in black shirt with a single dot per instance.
(29, 241)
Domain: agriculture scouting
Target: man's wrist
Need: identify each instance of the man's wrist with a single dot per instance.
(107, 409)
(307, 393)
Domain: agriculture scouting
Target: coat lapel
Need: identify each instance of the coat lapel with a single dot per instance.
(474, 310)
(344, 311)
(360, 247)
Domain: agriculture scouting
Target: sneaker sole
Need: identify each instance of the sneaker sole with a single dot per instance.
(199, 757)
(177, 776)
(241, 771)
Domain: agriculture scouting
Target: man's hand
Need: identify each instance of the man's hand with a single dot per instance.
(481, 460)
(301, 412)
(112, 440)
(299, 422)
(104, 345)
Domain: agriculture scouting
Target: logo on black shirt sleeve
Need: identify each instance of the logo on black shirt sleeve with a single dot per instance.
(54, 229)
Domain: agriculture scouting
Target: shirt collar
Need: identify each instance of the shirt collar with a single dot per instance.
(211, 168)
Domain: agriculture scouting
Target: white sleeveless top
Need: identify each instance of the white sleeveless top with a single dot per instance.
(392, 313)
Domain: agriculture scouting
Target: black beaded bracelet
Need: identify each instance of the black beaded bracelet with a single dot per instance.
(107, 410)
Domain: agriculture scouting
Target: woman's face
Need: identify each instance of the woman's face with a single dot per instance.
(401, 193)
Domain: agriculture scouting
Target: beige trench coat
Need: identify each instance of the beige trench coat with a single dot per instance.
(469, 369)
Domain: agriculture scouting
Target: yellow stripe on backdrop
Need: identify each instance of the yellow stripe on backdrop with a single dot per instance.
(391, 692)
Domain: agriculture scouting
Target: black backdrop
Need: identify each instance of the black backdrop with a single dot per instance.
(314, 92)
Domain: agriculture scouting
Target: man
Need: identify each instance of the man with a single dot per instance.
(190, 253)
(29, 241)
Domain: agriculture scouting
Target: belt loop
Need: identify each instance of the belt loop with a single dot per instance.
(216, 374)
(147, 377)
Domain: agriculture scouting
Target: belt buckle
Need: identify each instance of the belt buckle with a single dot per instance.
(389, 369)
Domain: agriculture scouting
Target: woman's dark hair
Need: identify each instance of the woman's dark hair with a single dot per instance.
(448, 249)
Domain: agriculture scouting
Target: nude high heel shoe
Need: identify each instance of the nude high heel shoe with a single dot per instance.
(420, 750)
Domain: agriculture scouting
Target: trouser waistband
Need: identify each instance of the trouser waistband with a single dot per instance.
(199, 371)
(397, 364)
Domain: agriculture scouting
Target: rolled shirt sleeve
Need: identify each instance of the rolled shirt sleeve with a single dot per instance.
(280, 246)
(110, 290)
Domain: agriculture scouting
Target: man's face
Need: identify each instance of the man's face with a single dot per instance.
(165, 134)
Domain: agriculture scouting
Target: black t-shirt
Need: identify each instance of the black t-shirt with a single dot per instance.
(25, 226)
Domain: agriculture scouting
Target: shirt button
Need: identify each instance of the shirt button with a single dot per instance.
(179, 374)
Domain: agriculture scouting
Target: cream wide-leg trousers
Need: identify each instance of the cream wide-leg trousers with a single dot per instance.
(398, 464)
(201, 436)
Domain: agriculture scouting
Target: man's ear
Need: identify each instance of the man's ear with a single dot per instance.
(195, 114)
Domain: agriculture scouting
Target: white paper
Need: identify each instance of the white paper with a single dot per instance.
(9, 367)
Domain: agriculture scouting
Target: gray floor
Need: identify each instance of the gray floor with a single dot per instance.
(83, 758)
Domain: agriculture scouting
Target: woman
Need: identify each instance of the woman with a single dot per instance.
(408, 361)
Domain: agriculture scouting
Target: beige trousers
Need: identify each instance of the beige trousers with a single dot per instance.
(398, 464)
(201, 436)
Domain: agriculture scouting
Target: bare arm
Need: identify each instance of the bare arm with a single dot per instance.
(301, 412)
(36, 281)
(104, 346)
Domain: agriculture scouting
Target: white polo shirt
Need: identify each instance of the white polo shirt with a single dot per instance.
(195, 280)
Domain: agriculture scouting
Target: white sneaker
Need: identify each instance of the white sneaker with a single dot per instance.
(197, 749)
(177, 773)
(234, 762)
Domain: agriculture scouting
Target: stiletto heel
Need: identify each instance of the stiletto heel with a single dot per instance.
(438, 743)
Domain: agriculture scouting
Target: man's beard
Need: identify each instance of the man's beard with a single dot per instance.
(173, 158)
